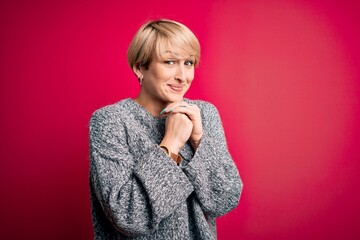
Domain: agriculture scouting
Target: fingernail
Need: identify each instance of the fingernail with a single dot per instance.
(163, 111)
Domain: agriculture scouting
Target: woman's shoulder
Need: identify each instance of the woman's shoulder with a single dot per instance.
(112, 111)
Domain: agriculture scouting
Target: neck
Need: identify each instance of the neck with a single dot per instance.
(152, 106)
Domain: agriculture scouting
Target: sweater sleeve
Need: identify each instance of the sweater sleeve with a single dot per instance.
(135, 194)
(215, 178)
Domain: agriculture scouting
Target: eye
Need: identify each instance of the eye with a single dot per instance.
(189, 63)
(169, 62)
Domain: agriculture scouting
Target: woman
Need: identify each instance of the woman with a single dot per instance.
(160, 167)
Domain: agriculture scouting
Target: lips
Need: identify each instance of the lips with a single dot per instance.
(176, 87)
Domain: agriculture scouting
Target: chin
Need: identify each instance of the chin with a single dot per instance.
(176, 98)
(172, 99)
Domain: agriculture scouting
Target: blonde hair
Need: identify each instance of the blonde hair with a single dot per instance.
(158, 36)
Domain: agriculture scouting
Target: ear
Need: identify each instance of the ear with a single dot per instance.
(138, 70)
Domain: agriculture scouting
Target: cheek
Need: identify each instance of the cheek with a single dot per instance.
(190, 75)
(165, 74)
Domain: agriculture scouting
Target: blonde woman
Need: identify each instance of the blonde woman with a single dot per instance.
(159, 163)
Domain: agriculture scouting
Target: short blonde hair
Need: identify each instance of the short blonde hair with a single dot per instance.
(156, 36)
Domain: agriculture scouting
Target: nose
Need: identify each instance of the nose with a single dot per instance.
(180, 73)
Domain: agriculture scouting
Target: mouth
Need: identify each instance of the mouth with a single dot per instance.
(176, 87)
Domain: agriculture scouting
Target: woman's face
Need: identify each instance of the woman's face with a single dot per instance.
(168, 78)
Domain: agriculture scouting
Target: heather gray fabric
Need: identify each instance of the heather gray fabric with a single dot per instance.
(138, 192)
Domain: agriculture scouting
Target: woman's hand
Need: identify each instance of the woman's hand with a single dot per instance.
(193, 113)
(178, 128)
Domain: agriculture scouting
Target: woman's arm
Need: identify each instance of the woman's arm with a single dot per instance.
(135, 194)
(212, 172)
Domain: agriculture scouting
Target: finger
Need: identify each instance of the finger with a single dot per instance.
(191, 113)
(176, 107)
(171, 107)
(188, 109)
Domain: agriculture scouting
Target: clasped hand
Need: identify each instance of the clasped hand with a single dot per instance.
(183, 123)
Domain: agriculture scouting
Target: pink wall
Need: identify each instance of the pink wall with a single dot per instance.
(283, 74)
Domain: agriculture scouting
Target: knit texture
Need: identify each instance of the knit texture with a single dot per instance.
(138, 192)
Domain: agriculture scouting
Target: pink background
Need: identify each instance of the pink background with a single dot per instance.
(283, 74)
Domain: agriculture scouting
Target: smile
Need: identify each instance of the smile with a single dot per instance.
(176, 87)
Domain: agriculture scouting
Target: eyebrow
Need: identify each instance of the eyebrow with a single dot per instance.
(176, 55)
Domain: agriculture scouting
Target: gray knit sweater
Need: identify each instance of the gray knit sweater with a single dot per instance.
(138, 192)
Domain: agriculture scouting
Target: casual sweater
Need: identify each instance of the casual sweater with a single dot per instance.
(139, 192)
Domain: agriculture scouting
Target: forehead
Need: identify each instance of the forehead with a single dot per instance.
(166, 49)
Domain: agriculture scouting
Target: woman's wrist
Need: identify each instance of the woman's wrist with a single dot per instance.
(170, 145)
(176, 157)
(195, 142)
